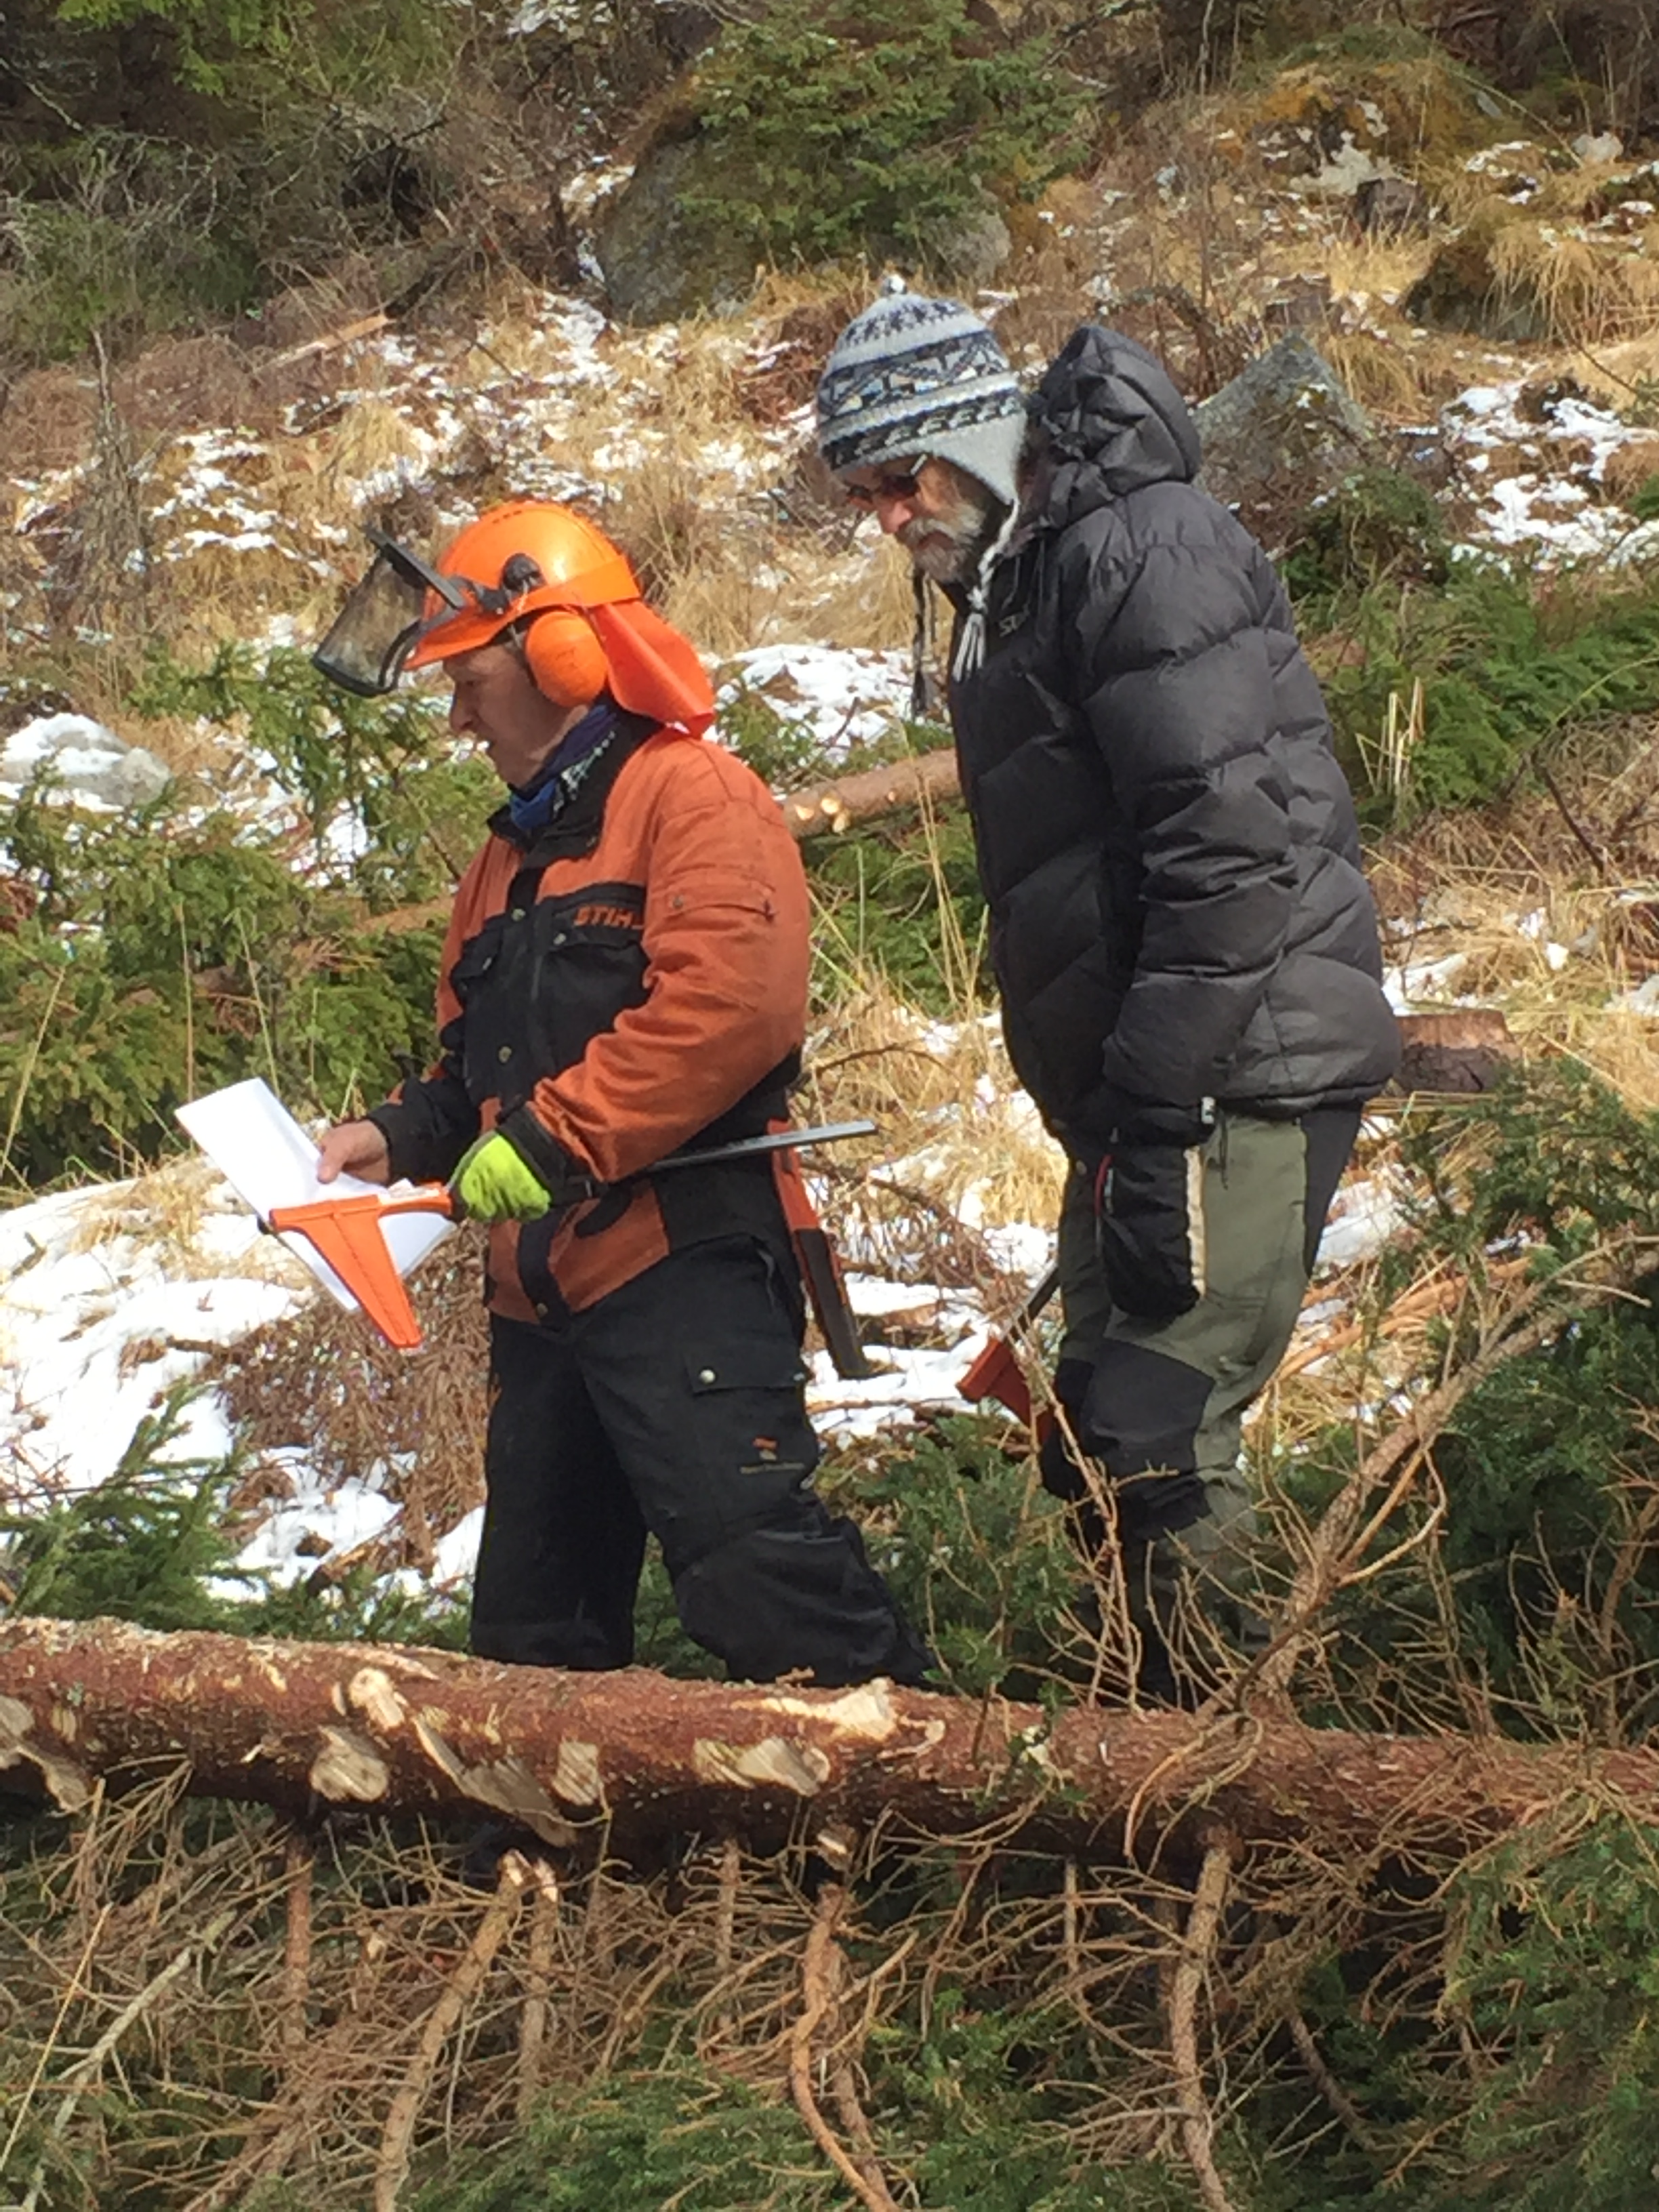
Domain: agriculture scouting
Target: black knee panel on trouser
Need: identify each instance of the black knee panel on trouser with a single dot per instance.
(1136, 1411)
(1140, 1419)
(797, 1594)
(1061, 1475)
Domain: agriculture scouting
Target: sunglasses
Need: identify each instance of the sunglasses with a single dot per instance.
(895, 484)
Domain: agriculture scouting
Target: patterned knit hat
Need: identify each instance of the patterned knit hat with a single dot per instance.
(915, 375)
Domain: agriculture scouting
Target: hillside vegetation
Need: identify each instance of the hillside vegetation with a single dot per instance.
(274, 271)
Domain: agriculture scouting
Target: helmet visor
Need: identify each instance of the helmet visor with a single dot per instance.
(385, 616)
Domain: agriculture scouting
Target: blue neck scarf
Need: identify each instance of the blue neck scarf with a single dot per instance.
(559, 780)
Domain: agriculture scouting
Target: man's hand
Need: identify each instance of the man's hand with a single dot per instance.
(496, 1183)
(356, 1148)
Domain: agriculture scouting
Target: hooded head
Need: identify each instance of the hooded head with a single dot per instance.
(913, 376)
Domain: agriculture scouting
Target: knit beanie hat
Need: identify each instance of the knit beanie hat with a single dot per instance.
(915, 375)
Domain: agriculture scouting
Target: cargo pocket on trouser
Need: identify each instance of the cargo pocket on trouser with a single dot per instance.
(765, 1576)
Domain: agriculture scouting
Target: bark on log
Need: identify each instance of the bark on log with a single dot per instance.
(871, 793)
(300, 1725)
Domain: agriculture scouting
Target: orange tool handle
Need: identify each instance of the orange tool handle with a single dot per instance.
(346, 1233)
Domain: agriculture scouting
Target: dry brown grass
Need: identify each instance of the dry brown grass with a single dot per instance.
(1391, 379)
(1381, 269)
(953, 1132)
(1616, 374)
(1466, 878)
(1591, 294)
(324, 1379)
(860, 599)
(1629, 467)
(181, 384)
(189, 745)
(166, 1208)
(48, 421)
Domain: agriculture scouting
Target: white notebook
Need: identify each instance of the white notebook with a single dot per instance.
(267, 1160)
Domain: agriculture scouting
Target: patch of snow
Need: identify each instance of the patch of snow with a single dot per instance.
(98, 1319)
(1021, 1249)
(455, 1554)
(1528, 500)
(96, 769)
(1364, 1214)
(907, 1384)
(846, 696)
(1409, 985)
(342, 1517)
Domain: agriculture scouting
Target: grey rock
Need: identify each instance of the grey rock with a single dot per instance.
(1389, 207)
(1463, 289)
(1282, 432)
(658, 262)
(970, 251)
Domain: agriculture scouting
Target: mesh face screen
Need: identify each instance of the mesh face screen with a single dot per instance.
(373, 630)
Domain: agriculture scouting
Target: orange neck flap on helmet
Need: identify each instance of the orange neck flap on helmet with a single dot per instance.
(651, 669)
(654, 668)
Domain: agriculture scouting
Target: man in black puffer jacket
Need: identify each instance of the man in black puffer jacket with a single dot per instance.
(1184, 944)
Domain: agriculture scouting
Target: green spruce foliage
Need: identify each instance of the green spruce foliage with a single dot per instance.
(1507, 666)
(152, 955)
(1538, 1602)
(146, 1545)
(874, 128)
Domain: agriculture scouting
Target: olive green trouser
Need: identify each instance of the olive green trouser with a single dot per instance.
(1166, 1399)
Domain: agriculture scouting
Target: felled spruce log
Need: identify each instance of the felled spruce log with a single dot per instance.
(872, 792)
(310, 1725)
(836, 805)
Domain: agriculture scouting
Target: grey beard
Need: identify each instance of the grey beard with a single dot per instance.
(945, 547)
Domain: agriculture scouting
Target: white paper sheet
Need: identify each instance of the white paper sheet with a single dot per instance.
(267, 1160)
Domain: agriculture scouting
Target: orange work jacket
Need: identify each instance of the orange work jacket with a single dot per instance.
(630, 983)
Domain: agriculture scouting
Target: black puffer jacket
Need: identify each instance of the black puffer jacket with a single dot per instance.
(1166, 841)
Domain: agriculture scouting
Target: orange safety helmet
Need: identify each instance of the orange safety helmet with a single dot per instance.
(544, 570)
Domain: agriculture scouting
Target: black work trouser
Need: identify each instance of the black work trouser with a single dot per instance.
(675, 1407)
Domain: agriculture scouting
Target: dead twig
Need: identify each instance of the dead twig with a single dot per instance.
(85, 2071)
(1327, 2083)
(366, 326)
(299, 1865)
(725, 1927)
(533, 2019)
(459, 1991)
(1192, 1967)
(863, 2178)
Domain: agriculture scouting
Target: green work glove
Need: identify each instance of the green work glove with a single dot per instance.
(495, 1182)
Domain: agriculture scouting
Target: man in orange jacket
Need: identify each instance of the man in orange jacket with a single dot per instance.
(624, 978)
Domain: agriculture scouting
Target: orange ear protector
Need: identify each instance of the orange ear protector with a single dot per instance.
(565, 658)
